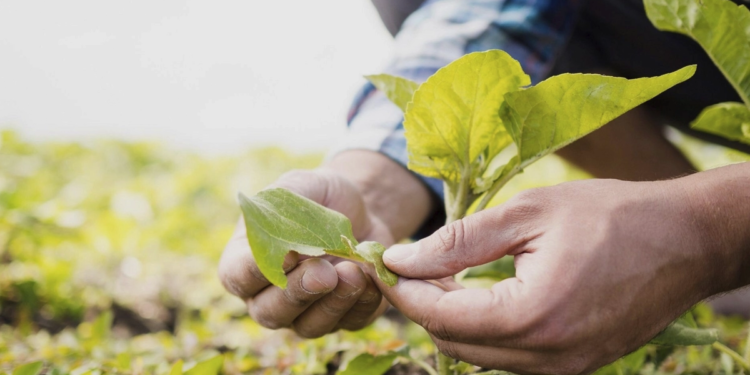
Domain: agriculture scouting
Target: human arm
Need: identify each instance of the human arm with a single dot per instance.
(602, 266)
(384, 203)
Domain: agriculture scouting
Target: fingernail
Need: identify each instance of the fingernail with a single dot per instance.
(399, 253)
(313, 285)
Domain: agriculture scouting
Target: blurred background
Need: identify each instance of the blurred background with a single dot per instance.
(126, 130)
(214, 77)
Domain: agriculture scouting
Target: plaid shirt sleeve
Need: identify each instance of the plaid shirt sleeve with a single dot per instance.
(440, 31)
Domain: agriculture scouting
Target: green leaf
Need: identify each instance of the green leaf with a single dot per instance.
(721, 27)
(685, 332)
(32, 368)
(630, 364)
(372, 252)
(102, 326)
(279, 221)
(500, 269)
(564, 108)
(367, 364)
(176, 368)
(452, 118)
(729, 120)
(398, 90)
(208, 367)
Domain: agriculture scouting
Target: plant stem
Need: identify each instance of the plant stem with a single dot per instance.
(747, 344)
(736, 356)
(424, 365)
(457, 200)
(444, 364)
(496, 186)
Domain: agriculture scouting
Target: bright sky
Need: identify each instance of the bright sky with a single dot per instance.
(216, 76)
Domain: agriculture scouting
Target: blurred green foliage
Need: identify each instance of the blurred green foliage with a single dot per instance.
(108, 257)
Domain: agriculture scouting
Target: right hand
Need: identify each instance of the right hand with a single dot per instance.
(324, 294)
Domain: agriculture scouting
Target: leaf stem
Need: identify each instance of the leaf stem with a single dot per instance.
(496, 186)
(457, 200)
(444, 364)
(747, 344)
(736, 356)
(424, 365)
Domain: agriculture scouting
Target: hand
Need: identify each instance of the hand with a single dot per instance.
(323, 294)
(602, 266)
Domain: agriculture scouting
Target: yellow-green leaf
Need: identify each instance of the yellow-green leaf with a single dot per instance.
(685, 332)
(398, 90)
(208, 367)
(564, 108)
(279, 221)
(367, 364)
(176, 368)
(729, 120)
(721, 27)
(453, 116)
(32, 368)
(373, 253)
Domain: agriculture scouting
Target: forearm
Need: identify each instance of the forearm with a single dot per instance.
(721, 202)
(391, 193)
(631, 148)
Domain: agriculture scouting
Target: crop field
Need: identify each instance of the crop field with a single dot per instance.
(108, 262)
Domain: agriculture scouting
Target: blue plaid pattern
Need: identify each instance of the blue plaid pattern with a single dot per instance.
(440, 31)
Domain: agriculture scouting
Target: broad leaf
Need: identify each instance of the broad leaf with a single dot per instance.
(372, 252)
(208, 367)
(721, 27)
(278, 221)
(176, 368)
(398, 90)
(32, 368)
(452, 118)
(564, 108)
(729, 120)
(685, 332)
(367, 364)
(629, 364)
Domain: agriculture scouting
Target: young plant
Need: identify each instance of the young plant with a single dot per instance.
(722, 28)
(474, 124)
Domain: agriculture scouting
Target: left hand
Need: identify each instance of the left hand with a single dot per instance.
(602, 266)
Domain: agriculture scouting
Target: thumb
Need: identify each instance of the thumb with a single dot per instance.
(471, 241)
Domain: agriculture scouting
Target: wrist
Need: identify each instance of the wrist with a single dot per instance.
(719, 209)
(390, 192)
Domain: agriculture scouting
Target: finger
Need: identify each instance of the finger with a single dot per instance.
(277, 308)
(323, 316)
(368, 307)
(514, 360)
(238, 271)
(471, 241)
(473, 316)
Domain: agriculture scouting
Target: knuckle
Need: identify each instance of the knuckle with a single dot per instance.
(447, 348)
(297, 298)
(307, 332)
(331, 308)
(266, 318)
(436, 328)
(450, 237)
(354, 323)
